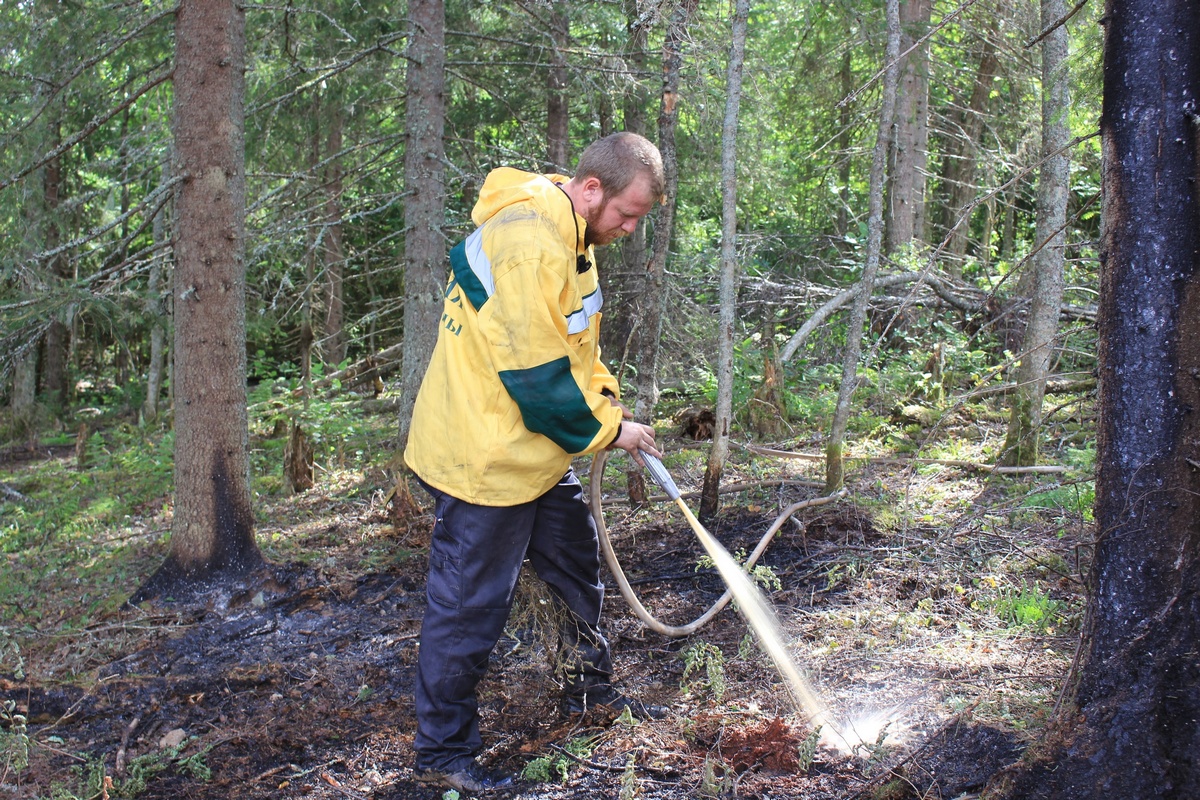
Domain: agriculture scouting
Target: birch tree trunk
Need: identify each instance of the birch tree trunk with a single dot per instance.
(212, 533)
(1037, 348)
(709, 497)
(425, 209)
(834, 466)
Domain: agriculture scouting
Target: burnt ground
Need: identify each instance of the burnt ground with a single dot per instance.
(303, 689)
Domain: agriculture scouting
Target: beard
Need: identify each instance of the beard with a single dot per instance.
(592, 235)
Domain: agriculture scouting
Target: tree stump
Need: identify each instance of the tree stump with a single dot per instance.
(298, 461)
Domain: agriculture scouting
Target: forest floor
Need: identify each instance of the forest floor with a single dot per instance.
(936, 611)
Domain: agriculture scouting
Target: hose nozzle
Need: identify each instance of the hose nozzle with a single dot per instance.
(660, 475)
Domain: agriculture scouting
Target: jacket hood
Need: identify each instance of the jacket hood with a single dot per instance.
(506, 187)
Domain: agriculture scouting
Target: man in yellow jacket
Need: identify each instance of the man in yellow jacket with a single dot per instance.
(515, 389)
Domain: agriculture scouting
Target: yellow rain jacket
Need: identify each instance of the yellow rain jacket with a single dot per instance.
(514, 388)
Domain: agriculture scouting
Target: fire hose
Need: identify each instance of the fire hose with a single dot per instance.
(660, 476)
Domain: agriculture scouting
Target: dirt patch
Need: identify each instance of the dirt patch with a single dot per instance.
(307, 691)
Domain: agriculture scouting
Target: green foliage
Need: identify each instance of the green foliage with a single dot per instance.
(1027, 607)
(1078, 499)
(65, 540)
(807, 750)
(14, 740)
(557, 766)
(761, 574)
(704, 669)
(715, 779)
(629, 780)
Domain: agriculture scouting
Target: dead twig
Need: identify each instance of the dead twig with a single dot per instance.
(119, 769)
(585, 763)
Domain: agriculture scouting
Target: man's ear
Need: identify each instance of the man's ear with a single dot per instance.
(593, 192)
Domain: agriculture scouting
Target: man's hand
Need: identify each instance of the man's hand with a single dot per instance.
(634, 437)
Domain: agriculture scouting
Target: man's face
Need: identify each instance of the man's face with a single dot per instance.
(618, 215)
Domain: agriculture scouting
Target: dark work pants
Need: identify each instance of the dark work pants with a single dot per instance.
(475, 557)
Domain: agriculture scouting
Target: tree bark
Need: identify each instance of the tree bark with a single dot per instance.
(558, 117)
(57, 345)
(910, 143)
(652, 303)
(846, 75)
(212, 534)
(1021, 444)
(333, 349)
(158, 318)
(710, 493)
(834, 467)
(958, 171)
(1132, 726)
(425, 210)
(622, 286)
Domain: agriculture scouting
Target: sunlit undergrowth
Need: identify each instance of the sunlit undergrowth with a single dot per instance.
(78, 537)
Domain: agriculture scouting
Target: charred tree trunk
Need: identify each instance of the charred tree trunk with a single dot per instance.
(834, 466)
(1132, 729)
(212, 534)
(425, 209)
(1046, 291)
(910, 142)
(710, 493)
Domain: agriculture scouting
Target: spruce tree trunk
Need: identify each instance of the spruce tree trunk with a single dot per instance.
(212, 533)
(1131, 726)
(1046, 291)
(834, 466)
(425, 209)
(709, 496)
(558, 117)
(622, 283)
(334, 346)
(57, 345)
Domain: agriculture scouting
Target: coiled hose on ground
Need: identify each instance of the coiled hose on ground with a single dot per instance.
(610, 556)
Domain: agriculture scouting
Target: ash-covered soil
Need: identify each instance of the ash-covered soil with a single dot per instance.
(302, 687)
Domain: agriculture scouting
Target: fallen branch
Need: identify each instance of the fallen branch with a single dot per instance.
(122, 749)
(950, 462)
(1052, 387)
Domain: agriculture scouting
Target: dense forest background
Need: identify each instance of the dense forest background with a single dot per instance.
(88, 183)
(876, 275)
